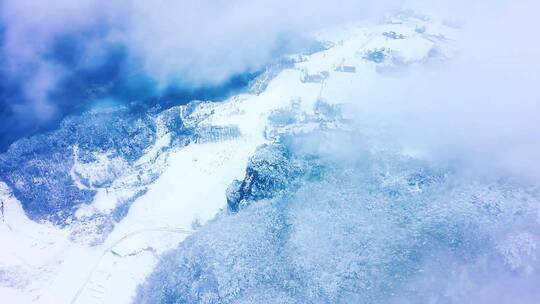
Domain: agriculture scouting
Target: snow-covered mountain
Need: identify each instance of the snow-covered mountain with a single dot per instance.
(98, 210)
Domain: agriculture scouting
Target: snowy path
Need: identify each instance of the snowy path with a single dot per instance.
(98, 289)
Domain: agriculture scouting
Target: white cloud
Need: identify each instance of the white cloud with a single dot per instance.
(480, 110)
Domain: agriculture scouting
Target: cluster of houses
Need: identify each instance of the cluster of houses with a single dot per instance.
(321, 76)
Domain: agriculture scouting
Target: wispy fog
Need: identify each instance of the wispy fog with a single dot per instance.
(480, 110)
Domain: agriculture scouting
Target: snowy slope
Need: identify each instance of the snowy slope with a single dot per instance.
(174, 189)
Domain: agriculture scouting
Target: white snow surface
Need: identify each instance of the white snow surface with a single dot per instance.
(41, 263)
